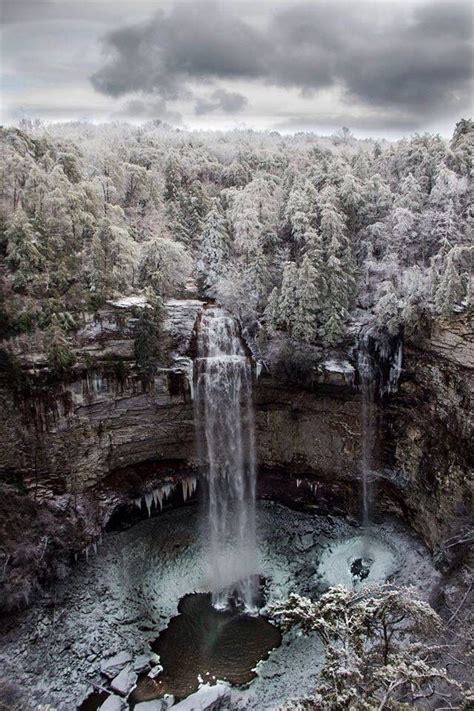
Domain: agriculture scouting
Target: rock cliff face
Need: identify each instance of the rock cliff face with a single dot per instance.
(71, 434)
(428, 435)
(64, 443)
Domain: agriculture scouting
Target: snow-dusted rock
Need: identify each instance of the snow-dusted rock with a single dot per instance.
(155, 671)
(180, 317)
(124, 682)
(208, 698)
(113, 703)
(155, 705)
(336, 371)
(304, 541)
(112, 666)
(144, 662)
(128, 302)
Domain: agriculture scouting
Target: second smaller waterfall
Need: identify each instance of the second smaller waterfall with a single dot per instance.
(224, 416)
(365, 368)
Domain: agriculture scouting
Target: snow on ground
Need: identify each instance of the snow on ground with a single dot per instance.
(128, 302)
(121, 599)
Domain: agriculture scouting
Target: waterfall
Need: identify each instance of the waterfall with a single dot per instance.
(365, 366)
(224, 418)
(379, 364)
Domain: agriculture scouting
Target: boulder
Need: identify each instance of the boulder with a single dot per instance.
(155, 705)
(124, 682)
(113, 703)
(112, 666)
(208, 698)
(143, 662)
(304, 541)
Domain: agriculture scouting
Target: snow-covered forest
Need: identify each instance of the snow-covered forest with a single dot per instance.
(293, 234)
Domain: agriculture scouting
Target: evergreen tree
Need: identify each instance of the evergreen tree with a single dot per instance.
(258, 272)
(191, 208)
(112, 260)
(288, 300)
(387, 310)
(411, 196)
(302, 209)
(271, 314)
(351, 196)
(214, 248)
(173, 179)
(441, 231)
(462, 147)
(404, 227)
(59, 352)
(450, 289)
(148, 334)
(307, 316)
(339, 272)
(23, 252)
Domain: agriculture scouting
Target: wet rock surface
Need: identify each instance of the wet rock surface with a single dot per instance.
(72, 436)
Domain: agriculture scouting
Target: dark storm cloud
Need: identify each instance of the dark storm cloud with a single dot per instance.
(409, 59)
(27, 11)
(195, 41)
(230, 102)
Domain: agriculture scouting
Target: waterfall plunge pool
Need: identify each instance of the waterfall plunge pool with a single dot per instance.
(126, 597)
(203, 644)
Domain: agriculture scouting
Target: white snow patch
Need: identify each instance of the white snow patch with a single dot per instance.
(127, 302)
(338, 366)
(336, 561)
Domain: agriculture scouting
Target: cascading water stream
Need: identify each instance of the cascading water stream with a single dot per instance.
(379, 364)
(224, 415)
(367, 385)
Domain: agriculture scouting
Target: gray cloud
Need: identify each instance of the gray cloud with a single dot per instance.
(407, 58)
(194, 41)
(230, 102)
(149, 108)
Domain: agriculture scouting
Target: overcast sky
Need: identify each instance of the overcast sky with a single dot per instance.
(381, 68)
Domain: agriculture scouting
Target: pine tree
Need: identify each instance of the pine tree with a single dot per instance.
(450, 289)
(112, 260)
(148, 334)
(288, 300)
(307, 314)
(387, 310)
(411, 196)
(59, 352)
(351, 196)
(271, 316)
(173, 179)
(339, 271)
(23, 252)
(301, 209)
(214, 248)
(441, 231)
(462, 147)
(191, 207)
(259, 273)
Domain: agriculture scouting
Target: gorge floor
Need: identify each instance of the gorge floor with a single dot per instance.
(121, 599)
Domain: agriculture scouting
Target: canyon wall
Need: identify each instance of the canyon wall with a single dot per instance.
(66, 441)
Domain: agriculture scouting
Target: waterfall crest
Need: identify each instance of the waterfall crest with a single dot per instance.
(224, 416)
